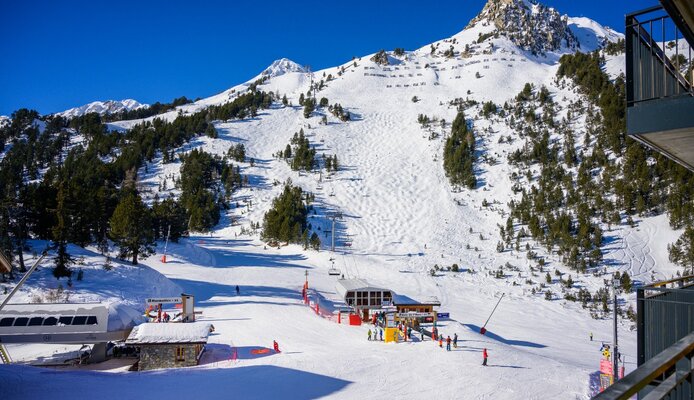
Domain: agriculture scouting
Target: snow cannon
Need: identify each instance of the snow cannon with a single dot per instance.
(483, 329)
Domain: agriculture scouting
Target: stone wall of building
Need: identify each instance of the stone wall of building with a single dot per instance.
(164, 356)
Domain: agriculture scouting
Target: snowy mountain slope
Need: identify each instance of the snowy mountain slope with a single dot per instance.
(103, 108)
(590, 34)
(401, 218)
(4, 120)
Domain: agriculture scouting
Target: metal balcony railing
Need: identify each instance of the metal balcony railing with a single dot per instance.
(658, 58)
(665, 313)
(673, 365)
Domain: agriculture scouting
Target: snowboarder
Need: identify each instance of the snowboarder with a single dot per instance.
(238, 291)
(448, 343)
(276, 346)
(441, 341)
(380, 333)
(484, 357)
(369, 335)
(455, 340)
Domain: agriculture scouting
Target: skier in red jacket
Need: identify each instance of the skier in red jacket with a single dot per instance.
(484, 357)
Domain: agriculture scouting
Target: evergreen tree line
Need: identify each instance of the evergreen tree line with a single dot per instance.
(55, 188)
(459, 154)
(576, 190)
(286, 221)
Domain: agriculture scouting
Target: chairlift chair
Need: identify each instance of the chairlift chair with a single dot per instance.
(333, 271)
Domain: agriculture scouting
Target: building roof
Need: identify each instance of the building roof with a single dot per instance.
(402, 300)
(169, 333)
(111, 316)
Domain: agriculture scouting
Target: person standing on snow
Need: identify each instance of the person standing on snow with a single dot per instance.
(484, 357)
(455, 340)
(441, 341)
(380, 333)
(276, 346)
(369, 335)
(448, 343)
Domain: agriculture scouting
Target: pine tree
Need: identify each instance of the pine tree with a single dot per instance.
(60, 235)
(211, 132)
(682, 251)
(286, 220)
(315, 241)
(131, 227)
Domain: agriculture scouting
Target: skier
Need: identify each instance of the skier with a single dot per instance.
(421, 332)
(380, 333)
(484, 357)
(448, 343)
(238, 291)
(455, 340)
(276, 346)
(441, 341)
(369, 335)
(409, 332)
(591, 336)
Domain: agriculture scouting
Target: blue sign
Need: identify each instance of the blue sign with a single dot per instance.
(443, 315)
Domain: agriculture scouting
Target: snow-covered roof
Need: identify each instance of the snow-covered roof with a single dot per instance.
(169, 333)
(402, 300)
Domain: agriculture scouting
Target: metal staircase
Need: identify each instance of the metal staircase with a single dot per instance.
(4, 356)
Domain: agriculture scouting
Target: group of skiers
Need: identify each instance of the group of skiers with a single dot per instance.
(377, 335)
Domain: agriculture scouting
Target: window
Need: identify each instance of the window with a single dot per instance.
(65, 321)
(79, 320)
(36, 321)
(50, 321)
(21, 321)
(180, 353)
(6, 321)
(91, 320)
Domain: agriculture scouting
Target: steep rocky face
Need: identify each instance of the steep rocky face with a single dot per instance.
(530, 25)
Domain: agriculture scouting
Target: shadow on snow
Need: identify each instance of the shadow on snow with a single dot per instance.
(501, 339)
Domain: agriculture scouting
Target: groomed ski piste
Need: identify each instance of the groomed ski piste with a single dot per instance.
(400, 217)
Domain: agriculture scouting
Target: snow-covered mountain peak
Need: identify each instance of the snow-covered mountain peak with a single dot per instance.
(103, 108)
(591, 34)
(4, 121)
(529, 25)
(281, 67)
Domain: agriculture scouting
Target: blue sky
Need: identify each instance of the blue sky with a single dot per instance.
(57, 55)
